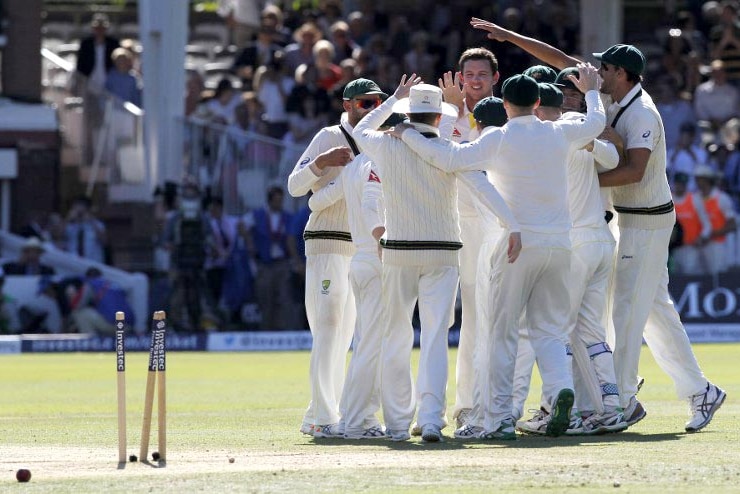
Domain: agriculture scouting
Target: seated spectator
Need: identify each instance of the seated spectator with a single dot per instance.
(302, 50)
(716, 101)
(221, 106)
(686, 156)
(273, 85)
(93, 305)
(42, 314)
(344, 46)
(9, 322)
(29, 262)
(121, 80)
(258, 52)
(86, 234)
(675, 108)
(272, 17)
(327, 72)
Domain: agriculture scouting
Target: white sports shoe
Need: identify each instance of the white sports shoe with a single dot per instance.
(536, 425)
(634, 412)
(376, 432)
(468, 431)
(306, 429)
(575, 427)
(330, 430)
(505, 432)
(461, 417)
(394, 435)
(601, 423)
(431, 433)
(703, 406)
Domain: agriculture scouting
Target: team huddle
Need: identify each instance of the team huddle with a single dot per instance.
(518, 201)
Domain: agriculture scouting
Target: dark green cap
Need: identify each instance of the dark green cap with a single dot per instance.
(541, 73)
(550, 95)
(394, 119)
(490, 112)
(360, 87)
(520, 90)
(562, 79)
(626, 56)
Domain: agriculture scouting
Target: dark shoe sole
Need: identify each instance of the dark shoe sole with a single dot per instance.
(560, 417)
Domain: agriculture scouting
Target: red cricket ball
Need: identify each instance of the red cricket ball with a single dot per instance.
(23, 475)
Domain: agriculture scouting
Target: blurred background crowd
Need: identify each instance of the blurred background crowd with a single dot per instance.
(264, 76)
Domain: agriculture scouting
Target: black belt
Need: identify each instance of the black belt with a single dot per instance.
(420, 245)
(656, 210)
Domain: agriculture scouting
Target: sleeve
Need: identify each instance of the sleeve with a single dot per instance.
(365, 132)
(582, 131)
(327, 195)
(606, 155)
(452, 157)
(373, 206)
(303, 177)
(643, 131)
(489, 197)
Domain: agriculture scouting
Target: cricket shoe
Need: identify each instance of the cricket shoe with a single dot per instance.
(376, 432)
(634, 412)
(602, 423)
(416, 429)
(461, 417)
(306, 429)
(575, 427)
(536, 425)
(431, 433)
(560, 416)
(328, 431)
(468, 431)
(505, 432)
(703, 406)
(397, 435)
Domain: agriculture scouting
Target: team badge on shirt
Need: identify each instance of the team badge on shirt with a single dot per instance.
(373, 177)
(325, 287)
(456, 132)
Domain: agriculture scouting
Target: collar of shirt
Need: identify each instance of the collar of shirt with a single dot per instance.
(631, 94)
(422, 127)
(523, 120)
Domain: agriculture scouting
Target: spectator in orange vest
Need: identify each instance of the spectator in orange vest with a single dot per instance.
(721, 213)
(694, 225)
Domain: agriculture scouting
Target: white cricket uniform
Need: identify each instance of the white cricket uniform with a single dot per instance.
(420, 262)
(642, 305)
(330, 305)
(533, 182)
(356, 185)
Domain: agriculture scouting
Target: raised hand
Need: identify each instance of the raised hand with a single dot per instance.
(404, 87)
(451, 90)
(588, 78)
(494, 31)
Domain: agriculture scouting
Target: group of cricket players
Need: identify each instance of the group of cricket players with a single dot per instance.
(517, 202)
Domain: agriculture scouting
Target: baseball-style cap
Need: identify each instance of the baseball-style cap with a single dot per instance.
(490, 112)
(424, 98)
(541, 73)
(362, 86)
(562, 78)
(520, 90)
(626, 56)
(550, 95)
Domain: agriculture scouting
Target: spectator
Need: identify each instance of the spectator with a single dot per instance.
(686, 156)
(86, 235)
(29, 262)
(359, 30)
(674, 108)
(194, 88)
(327, 72)
(122, 80)
(344, 46)
(224, 234)
(725, 40)
(693, 223)
(9, 322)
(721, 213)
(221, 107)
(273, 86)
(272, 17)
(38, 226)
(242, 17)
(265, 232)
(93, 305)
(675, 61)
(301, 51)
(716, 101)
(686, 22)
(255, 53)
(42, 314)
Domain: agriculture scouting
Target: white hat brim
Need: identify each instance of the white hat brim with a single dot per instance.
(404, 106)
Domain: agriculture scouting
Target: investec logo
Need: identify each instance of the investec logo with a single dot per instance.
(717, 303)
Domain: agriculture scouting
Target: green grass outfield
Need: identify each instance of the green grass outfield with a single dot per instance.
(58, 418)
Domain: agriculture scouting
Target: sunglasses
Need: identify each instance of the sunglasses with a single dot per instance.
(366, 104)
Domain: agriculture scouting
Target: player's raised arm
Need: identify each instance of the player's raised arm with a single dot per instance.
(538, 49)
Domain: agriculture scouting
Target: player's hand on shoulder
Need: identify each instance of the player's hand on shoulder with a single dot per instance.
(336, 156)
(588, 78)
(397, 131)
(404, 87)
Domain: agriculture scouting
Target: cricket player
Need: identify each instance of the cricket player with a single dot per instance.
(642, 306)
(420, 259)
(533, 182)
(330, 305)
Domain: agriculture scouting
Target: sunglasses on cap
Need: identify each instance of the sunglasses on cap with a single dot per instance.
(366, 104)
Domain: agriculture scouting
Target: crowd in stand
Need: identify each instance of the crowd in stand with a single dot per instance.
(291, 63)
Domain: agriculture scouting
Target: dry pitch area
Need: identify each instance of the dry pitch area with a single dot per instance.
(58, 419)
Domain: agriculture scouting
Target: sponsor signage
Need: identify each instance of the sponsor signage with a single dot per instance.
(259, 340)
(82, 343)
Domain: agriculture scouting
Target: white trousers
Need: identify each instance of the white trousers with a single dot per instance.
(361, 395)
(435, 289)
(538, 283)
(330, 309)
(471, 233)
(642, 307)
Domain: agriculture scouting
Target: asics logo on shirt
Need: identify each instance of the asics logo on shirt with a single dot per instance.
(304, 162)
(646, 135)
